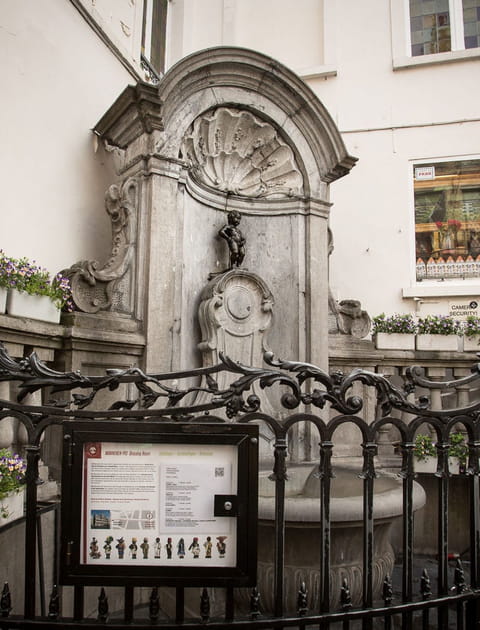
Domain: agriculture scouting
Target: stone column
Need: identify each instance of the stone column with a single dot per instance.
(316, 285)
(385, 450)
(463, 391)
(436, 374)
(132, 129)
(163, 277)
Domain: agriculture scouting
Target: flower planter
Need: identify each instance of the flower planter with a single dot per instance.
(40, 307)
(471, 344)
(395, 341)
(428, 465)
(11, 507)
(3, 299)
(438, 342)
(453, 465)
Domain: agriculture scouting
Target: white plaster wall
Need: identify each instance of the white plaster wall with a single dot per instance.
(58, 78)
(193, 25)
(290, 31)
(388, 119)
(372, 217)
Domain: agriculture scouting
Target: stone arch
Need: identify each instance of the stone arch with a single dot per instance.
(243, 78)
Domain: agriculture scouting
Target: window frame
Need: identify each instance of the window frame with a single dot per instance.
(150, 8)
(434, 287)
(401, 38)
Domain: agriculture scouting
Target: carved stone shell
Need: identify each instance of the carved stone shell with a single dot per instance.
(234, 151)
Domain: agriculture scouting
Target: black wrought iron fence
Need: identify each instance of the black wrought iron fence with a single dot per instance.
(306, 576)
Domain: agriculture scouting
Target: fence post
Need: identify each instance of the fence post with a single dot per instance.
(31, 531)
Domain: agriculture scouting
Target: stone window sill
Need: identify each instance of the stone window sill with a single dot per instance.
(439, 289)
(317, 72)
(404, 63)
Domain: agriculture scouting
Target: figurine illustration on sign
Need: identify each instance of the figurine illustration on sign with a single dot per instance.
(235, 239)
(168, 548)
(208, 547)
(181, 548)
(145, 547)
(221, 546)
(5, 600)
(195, 548)
(120, 547)
(157, 547)
(133, 549)
(107, 547)
(94, 553)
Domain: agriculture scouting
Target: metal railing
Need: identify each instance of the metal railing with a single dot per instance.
(307, 396)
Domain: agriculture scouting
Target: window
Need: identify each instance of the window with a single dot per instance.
(471, 23)
(447, 219)
(153, 38)
(438, 26)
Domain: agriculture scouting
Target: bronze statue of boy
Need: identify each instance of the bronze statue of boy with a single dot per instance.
(235, 239)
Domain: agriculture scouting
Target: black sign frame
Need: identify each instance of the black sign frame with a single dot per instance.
(244, 437)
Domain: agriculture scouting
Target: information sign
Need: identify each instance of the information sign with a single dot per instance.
(165, 505)
(424, 172)
(461, 309)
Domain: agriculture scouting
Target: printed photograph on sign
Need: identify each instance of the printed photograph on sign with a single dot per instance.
(153, 504)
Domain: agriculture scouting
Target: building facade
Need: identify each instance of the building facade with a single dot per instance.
(398, 79)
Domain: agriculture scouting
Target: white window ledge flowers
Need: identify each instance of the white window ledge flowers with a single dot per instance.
(438, 332)
(31, 291)
(12, 479)
(471, 334)
(395, 332)
(425, 453)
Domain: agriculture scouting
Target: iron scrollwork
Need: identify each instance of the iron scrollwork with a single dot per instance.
(305, 384)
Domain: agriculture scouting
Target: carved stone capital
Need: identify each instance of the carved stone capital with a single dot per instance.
(136, 111)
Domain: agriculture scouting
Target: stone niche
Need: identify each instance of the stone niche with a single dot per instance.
(226, 129)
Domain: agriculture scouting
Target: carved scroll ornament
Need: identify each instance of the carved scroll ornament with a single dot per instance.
(233, 151)
(93, 284)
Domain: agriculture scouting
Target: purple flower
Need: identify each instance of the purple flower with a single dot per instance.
(29, 277)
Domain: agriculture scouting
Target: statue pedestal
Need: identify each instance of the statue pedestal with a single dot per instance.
(235, 315)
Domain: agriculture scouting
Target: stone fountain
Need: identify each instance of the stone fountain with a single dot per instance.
(303, 534)
(235, 316)
(231, 148)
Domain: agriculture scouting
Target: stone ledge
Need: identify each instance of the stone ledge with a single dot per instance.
(79, 331)
(104, 320)
(346, 350)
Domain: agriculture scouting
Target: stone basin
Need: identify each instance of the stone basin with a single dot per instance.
(302, 532)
